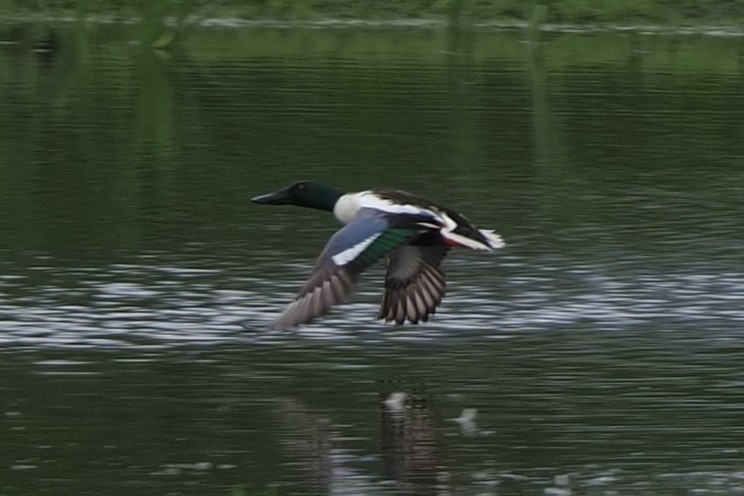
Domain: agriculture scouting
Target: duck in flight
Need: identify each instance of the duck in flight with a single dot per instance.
(412, 234)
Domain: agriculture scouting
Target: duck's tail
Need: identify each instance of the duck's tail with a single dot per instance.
(480, 239)
(494, 240)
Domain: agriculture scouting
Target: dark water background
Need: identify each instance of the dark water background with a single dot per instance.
(602, 347)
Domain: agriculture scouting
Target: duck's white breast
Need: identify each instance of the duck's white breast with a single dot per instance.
(349, 204)
(347, 207)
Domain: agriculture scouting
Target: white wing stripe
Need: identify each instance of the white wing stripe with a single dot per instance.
(373, 201)
(350, 254)
(465, 241)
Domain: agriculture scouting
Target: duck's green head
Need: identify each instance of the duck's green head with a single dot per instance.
(304, 194)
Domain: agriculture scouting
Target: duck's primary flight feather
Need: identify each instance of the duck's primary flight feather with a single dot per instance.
(414, 283)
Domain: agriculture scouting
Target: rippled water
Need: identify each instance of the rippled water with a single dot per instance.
(601, 348)
(150, 305)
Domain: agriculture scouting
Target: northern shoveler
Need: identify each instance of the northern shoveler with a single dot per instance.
(411, 233)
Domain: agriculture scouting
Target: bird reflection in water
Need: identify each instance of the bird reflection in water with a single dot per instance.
(308, 438)
(466, 421)
(409, 446)
(409, 443)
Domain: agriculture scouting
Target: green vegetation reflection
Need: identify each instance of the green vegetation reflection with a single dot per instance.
(444, 113)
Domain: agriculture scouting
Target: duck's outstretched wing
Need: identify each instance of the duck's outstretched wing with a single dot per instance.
(414, 284)
(356, 246)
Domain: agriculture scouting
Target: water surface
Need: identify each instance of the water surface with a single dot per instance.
(601, 348)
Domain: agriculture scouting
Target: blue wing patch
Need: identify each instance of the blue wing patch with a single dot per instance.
(354, 237)
(363, 241)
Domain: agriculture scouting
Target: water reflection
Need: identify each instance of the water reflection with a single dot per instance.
(600, 348)
(616, 411)
(411, 455)
(309, 438)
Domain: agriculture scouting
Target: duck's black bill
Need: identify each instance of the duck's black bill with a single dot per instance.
(278, 198)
